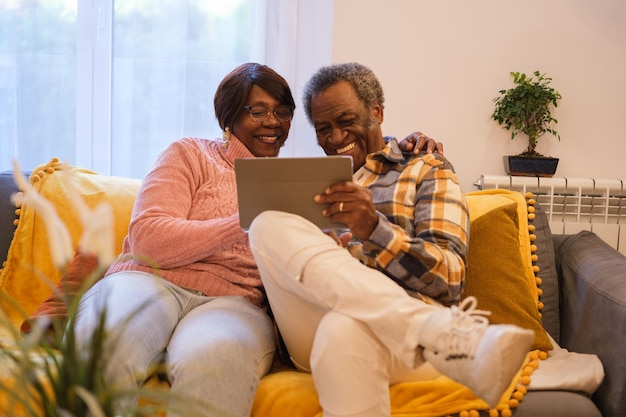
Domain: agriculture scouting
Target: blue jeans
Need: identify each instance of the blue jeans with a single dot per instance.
(217, 348)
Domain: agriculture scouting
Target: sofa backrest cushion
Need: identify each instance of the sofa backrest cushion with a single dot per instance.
(546, 272)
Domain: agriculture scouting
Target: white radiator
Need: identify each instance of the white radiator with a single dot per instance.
(574, 204)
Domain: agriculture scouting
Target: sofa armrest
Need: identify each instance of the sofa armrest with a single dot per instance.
(592, 279)
(7, 213)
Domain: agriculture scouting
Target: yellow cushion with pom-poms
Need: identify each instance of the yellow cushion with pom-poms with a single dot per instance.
(501, 274)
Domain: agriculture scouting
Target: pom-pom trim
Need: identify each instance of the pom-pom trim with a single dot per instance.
(35, 177)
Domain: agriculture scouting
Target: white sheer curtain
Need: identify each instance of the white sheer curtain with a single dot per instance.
(37, 81)
(298, 42)
(108, 85)
(167, 59)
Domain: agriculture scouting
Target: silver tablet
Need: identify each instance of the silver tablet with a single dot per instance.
(288, 184)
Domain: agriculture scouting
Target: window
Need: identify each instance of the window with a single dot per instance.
(108, 85)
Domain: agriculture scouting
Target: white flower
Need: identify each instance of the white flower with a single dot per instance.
(98, 236)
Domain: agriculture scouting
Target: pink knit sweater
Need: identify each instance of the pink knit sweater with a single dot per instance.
(185, 223)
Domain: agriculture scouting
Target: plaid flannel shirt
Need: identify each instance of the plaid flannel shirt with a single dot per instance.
(423, 228)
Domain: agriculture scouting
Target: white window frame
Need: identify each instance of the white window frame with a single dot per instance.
(93, 84)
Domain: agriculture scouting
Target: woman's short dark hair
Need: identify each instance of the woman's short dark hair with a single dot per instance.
(232, 93)
(362, 79)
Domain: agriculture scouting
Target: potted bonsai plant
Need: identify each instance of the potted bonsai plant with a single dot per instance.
(527, 108)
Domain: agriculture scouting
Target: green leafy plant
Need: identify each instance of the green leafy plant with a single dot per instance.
(48, 373)
(527, 108)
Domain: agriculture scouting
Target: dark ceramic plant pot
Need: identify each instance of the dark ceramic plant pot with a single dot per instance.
(530, 166)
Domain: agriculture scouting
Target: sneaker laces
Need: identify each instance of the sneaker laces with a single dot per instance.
(466, 328)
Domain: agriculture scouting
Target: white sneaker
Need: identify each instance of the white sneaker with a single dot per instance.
(460, 343)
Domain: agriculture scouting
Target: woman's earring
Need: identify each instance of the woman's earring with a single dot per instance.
(226, 137)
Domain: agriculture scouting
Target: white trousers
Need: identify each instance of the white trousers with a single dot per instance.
(353, 327)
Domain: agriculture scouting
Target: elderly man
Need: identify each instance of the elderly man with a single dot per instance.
(369, 307)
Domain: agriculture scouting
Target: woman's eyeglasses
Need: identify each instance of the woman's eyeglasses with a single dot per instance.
(260, 113)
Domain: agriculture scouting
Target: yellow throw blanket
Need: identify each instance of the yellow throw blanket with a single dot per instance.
(292, 394)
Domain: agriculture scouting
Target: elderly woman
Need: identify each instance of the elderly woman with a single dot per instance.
(186, 285)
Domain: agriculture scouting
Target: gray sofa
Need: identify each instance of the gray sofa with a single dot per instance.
(584, 292)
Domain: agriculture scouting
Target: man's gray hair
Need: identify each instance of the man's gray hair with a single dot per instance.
(362, 79)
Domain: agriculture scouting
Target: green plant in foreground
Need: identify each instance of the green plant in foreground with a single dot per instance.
(47, 372)
(527, 108)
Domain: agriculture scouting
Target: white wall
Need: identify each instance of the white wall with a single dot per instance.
(442, 63)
